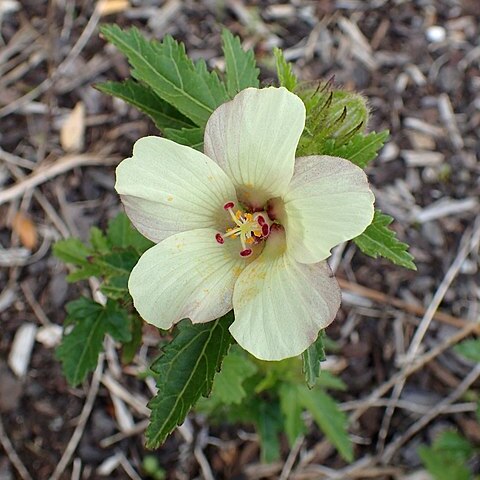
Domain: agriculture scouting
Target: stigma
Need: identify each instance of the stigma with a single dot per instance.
(249, 228)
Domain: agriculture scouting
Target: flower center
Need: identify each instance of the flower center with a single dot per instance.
(249, 228)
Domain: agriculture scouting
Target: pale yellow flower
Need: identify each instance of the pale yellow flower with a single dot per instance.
(244, 226)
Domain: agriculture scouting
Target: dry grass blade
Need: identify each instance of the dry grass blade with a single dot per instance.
(82, 421)
(434, 412)
(47, 172)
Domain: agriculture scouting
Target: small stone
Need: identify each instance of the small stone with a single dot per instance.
(436, 34)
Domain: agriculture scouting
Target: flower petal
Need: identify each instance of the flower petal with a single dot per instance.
(168, 188)
(254, 138)
(328, 202)
(188, 275)
(280, 305)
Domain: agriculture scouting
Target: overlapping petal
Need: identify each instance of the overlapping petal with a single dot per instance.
(328, 202)
(280, 305)
(254, 138)
(168, 188)
(188, 275)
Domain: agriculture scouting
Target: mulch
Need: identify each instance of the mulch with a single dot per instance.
(418, 63)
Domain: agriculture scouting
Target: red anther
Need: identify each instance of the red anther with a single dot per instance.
(219, 239)
(246, 253)
(261, 220)
(228, 205)
(265, 229)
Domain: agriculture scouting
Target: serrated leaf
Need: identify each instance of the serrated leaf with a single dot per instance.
(442, 467)
(448, 456)
(83, 273)
(146, 100)
(116, 288)
(79, 350)
(455, 444)
(240, 66)
(360, 150)
(185, 372)
(192, 137)
(121, 233)
(329, 418)
(72, 250)
(285, 74)
(311, 358)
(469, 349)
(168, 71)
(292, 412)
(378, 240)
(228, 385)
(99, 241)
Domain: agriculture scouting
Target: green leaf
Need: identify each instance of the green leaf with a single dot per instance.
(99, 241)
(192, 137)
(360, 150)
(72, 250)
(185, 372)
(455, 444)
(240, 67)
(228, 385)
(312, 357)
(469, 349)
(146, 100)
(379, 240)
(442, 467)
(328, 381)
(329, 418)
(447, 457)
(79, 350)
(285, 74)
(121, 233)
(130, 348)
(269, 425)
(292, 411)
(167, 70)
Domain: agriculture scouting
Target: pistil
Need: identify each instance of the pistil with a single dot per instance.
(250, 228)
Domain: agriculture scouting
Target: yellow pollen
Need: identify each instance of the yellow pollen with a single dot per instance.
(246, 228)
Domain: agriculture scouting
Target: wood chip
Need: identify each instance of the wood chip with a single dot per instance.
(417, 124)
(26, 230)
(109, 7)
(422, 158)
(446, 114)
(21, 350)
(72, 133)
(106, 468)
(360, 46)
(49, 335)
(446, 207)
(420, 140)
(122, 414)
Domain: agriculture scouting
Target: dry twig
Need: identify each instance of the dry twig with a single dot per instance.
(82, 421)
(47, 172)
